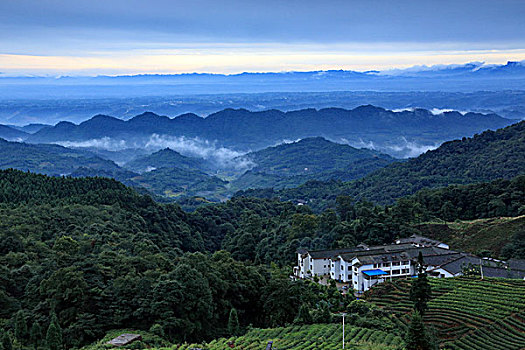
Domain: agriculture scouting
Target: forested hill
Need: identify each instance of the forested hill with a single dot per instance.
(310, 155)
(165, 158)
(77, 206)
(488, 156)
(244, 130)
(55, 160)
(292, 164)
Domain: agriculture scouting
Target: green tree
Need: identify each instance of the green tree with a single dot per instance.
(420, 292)
(304, 316)
(233, 323)
(7, 342)
(20, 326)
(157, 330)
(417, 337)
(54, 334)
(322, 313)
(35, 334)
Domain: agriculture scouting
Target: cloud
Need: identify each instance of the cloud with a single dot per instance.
(221, 157)
(403, 148)
(434, 111)
(106, 143)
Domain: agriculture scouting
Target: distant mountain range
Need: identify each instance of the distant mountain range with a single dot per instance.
(153, 151)
(506, 103)
(462, 77)
(485, 157)
(401, 134)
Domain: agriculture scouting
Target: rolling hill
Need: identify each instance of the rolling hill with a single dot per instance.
(10, 133)
(484, 157)
(165, 158)
(177, 183)
(480, 236)
(50, 159)
(291, 164)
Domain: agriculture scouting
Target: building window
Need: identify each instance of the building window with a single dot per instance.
(324, 266)
(386, 264)
(395, 263)
(395, 272)
(405, 270)
(405, 262)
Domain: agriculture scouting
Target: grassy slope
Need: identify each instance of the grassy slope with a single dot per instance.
(466, 313)
(475, 235)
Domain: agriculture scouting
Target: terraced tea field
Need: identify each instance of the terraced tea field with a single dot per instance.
(466, 313)
(313, 337)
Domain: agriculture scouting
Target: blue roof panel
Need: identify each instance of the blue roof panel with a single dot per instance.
(377, 272)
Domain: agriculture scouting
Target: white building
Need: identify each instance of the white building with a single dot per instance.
(361, 267)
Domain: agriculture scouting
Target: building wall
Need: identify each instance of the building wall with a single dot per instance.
(303, 265)
(444, 273)
(320, 267)
(351, 272)
(335, 268)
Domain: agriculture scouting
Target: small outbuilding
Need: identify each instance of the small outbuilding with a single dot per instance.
(124, 339)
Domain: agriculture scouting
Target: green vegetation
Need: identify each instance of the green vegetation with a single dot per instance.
(99, 256)
(149, 340)
(485, 157)
(166, 158)
(82, 256)
(466, 313)
(52, 159)
(496, 237)
(289, 165)
(175, 182)
(309, 337)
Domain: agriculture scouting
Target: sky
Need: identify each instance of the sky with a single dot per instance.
(113, 37)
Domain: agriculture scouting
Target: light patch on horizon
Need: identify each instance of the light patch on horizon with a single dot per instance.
(231, 60)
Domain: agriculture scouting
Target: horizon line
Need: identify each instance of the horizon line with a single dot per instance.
(413, 68)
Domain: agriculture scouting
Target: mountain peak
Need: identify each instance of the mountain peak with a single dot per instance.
(368, 109)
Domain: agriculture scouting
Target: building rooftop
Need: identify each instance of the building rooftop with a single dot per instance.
(394, 253)
(516, 264)
(420, 240)
(124, 339)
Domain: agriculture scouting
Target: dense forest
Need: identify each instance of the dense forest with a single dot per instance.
(89, 255)
(485, 157)
(95, 255)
